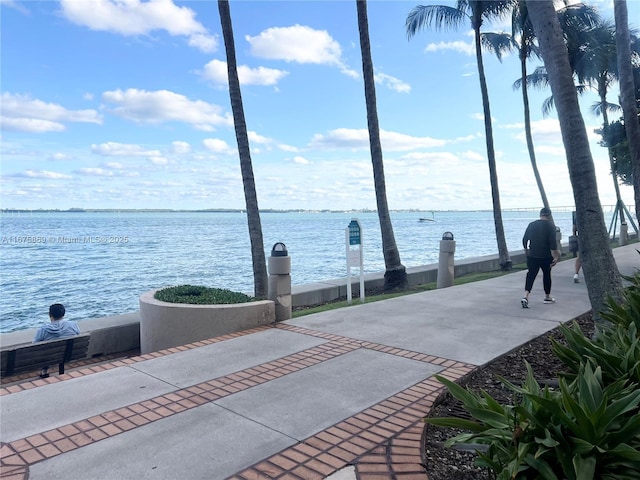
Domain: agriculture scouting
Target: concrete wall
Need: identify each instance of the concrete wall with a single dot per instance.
(122, 332)
(165, 325)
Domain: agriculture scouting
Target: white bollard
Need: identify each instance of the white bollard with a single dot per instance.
(446, 261)
(280, 281)
(624, 234)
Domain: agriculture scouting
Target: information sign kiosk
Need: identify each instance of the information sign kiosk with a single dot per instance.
(353, 244)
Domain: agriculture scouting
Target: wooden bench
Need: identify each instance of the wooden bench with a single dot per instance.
(27, 357)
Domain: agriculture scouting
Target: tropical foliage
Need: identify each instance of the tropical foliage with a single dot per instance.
(260, 279)
(476, 12)
(199, 295)
(587, 428)
(395, 275)
(601, 271)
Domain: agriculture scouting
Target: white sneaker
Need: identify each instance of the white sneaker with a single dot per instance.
(576, 278)
(549, 300)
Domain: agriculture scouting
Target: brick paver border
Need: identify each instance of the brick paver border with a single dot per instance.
(382, 442)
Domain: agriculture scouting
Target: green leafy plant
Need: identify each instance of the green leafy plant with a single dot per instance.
(588, 428)
(616, 349)
(200, 295)
(584, 430)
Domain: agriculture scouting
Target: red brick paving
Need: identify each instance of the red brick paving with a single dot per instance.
(381, 442)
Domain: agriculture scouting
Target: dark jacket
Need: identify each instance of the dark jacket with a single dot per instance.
(540, 239)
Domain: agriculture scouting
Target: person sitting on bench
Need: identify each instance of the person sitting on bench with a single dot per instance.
(56, 328)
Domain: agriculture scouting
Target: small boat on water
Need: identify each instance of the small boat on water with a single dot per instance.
(427, 219)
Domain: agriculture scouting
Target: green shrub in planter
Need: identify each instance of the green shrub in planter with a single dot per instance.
(583, 431)
(589, 428)
(617, 349)
(198, 295)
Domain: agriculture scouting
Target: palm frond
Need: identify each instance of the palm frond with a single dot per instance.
(438, 17)
(539, 78)
(547, 106)
(496, 8)
(578, 15)
(598, 107)
(497, 43)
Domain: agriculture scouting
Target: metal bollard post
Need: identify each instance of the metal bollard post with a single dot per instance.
(573, 245)
(624, 234)
(445, 265)
(280, 281)
(559, 239)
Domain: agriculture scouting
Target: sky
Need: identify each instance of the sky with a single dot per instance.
(115, 104)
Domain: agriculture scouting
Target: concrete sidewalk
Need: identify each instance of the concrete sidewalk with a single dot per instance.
(340, 391)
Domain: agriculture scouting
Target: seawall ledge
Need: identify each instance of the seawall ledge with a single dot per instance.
(121, 333)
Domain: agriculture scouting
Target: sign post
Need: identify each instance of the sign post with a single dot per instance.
(353, 238)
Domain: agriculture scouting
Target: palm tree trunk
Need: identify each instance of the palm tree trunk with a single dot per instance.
(627, 97)
(612, 163)
(260, 280)
(395, 275)
(600, 269)
(503, 252)
(527, 126)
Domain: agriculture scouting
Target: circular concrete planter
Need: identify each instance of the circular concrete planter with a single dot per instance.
(165, 325)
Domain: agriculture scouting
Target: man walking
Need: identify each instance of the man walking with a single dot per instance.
(542, 252)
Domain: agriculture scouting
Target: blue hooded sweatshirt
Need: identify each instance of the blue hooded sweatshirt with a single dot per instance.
(57, 329)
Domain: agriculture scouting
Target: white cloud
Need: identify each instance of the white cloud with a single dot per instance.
(206, 43)
(96, 172)
(110, 171)
(21, 113)
(216, 71)
(158, 160)
(300, 160)
(471, 155)
(544, 131)
(255, 138)
(288, 148)
(180, 147)
(42, 174)
(113, 149)
(356, 139)
(300, 44)
(467, 48)
(446, 157)
(30, 125)
(557, 151)
(217, 146)
(164, 106)
(14, 4)
(135, 17)
(392, 82)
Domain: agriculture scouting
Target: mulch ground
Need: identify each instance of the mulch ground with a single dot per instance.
(448, 464)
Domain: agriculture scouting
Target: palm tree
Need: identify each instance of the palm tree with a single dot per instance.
(521, 26)
(600, 269)
(597, 64)
(395, 275)
(260, 279)
(476, 11)
(521, 39)
(627, 96)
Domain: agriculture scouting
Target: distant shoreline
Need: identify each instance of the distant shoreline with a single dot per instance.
(267, 210)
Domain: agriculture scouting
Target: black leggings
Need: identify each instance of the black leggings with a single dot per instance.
(534, 265)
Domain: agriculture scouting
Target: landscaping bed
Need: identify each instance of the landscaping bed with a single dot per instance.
(449, 464)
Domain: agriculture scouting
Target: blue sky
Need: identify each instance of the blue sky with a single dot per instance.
(124, 104)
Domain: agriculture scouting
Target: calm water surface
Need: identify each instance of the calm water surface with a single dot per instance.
(98, 264)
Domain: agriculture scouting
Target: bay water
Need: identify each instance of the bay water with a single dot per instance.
(98, 263)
